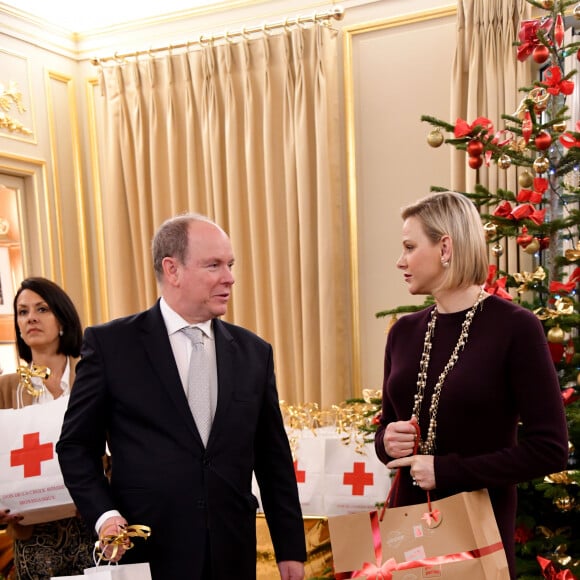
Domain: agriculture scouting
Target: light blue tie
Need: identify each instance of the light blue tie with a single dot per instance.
(198, 393)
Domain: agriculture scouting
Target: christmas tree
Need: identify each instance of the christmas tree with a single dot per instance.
(541, 223)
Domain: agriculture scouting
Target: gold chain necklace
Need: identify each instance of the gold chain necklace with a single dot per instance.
(427, 446)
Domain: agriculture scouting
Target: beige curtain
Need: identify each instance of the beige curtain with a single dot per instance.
(246, 133)
(486, 79)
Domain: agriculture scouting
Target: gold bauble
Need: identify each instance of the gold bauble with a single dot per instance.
(559, 127)
(504, 162)
(490, 230)
(576, 11)
(525, 179)
(541, 164)
(548, 4)
(497, 250)
(578, 379)
(435, 138)
(556, 335)
(532, 247)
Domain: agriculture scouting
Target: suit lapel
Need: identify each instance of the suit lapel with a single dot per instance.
(225, 350)
(153, 335)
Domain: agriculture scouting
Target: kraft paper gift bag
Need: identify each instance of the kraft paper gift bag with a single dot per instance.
(139, 571)
(31, 483)
(453, 538)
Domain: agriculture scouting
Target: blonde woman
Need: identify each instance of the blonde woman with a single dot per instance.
(468, 370)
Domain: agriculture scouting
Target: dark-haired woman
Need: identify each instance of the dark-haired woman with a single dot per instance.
(48, 334)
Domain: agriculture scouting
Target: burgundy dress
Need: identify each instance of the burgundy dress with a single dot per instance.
(503, 376)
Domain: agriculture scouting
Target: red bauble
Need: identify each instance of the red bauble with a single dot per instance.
(475, 148)
(524, 240)
(556, 351)
(559, 30)
(544, 243)
(578, 55)
(543, 140)
(541, 54)
(475, 161)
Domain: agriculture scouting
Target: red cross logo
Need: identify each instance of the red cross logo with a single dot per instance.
(300, 474)
(31, 455)
(358, 478)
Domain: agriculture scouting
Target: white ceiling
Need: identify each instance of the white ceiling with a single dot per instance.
(81, 16)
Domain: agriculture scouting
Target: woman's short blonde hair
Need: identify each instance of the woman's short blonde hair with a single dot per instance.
(455, 215)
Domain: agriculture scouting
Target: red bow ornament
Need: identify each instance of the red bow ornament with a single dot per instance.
(550, 573)
(569, 140)
(529, 195)
(566, 287)
(538, 216)
(497, 287)
(522, 211)
(555, 84)
(569, 396)
(463, 128)
(534, 195)
(504, 210)
(527, 211)
(528, 36)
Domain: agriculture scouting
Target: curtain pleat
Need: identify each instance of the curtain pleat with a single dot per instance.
(246, 133)
(486, 80)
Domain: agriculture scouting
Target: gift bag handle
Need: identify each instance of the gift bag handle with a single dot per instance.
(397, 479)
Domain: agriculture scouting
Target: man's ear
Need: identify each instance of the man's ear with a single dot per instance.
(170, 270)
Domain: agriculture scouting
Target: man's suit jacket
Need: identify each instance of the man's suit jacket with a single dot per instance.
(128, 392)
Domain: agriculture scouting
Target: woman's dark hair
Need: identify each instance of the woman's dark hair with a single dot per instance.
(64, 310)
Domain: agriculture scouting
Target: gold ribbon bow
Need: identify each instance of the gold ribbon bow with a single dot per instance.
(122, 539)
(527, 278)
(564, 307)
(573, 255)
(26, 373)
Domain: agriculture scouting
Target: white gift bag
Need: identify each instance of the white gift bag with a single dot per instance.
(31, 483)
(139, 571)
(309, 470)
(355, 480)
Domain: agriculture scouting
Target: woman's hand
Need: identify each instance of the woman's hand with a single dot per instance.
(7, 518)
(399, 438)
(422, 469)
(14, 529)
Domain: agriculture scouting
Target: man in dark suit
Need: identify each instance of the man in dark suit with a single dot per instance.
(131, 391)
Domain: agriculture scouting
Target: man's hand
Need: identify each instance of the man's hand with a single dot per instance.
(291, 570)
(113, 526)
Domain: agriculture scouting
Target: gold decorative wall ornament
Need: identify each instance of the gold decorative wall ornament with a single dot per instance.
(10, 97)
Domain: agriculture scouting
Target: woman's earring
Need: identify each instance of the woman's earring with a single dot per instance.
(445, 263)
(61, 332)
